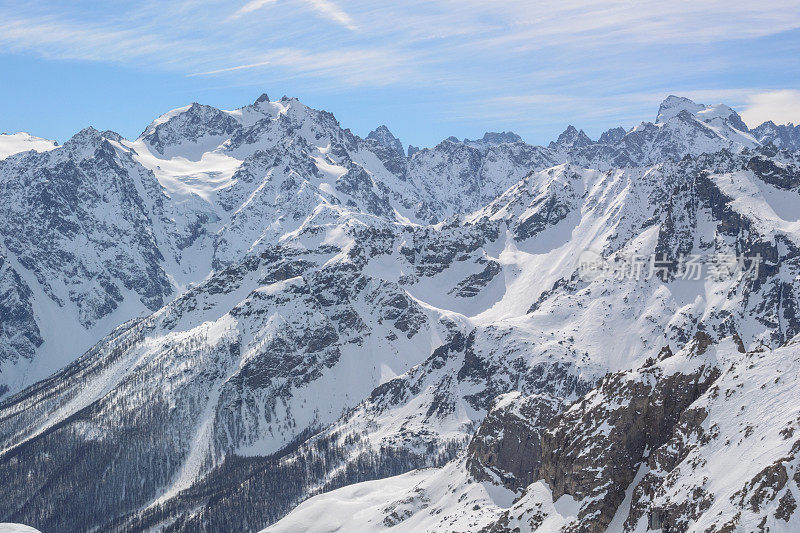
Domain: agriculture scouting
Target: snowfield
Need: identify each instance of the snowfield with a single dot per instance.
(15, 143)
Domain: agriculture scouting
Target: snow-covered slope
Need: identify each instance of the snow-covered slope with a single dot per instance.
(704, 440)
(272, 307)
(8, 527)
(15, 143)
(117, 228)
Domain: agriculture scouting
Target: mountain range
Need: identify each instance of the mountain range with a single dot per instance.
(257, 319)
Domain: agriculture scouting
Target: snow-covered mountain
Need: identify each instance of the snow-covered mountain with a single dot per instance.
(242, 309)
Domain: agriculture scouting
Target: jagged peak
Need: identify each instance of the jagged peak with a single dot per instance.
(111, 135)
(166, 117)
(772, 125)
(87, 140)
(294, 105)
(86, 135)
(88, 130)
(384, 137)
(189, 122)
(571, 138)
(382, 130)
(193, 108)
(261, 99)
(767, 124)
(779, 135)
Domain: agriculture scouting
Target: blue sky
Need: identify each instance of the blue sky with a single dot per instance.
(427, 69)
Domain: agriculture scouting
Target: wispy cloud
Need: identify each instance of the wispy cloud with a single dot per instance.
(249, 7)
(353, 66)
(229, 69)
(331, 11)
(356, 66)
(55, 39)
(324, 8)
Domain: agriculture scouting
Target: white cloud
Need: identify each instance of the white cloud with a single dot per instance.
(780, 107)
(331, 11)
(249, 7)
(324, 8)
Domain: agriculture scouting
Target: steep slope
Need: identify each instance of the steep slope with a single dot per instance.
(650, 449)
(239, 359)
(118, 228)
(80, 240)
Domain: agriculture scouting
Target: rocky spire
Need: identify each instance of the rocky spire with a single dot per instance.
(384, 137)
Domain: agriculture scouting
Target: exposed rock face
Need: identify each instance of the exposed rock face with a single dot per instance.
(507, 446)
(190, 126)
(19, 330)
(473, 284)
(593, 450)
(612, 136)
(85, 190)
(679, 491)
(784, 176)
